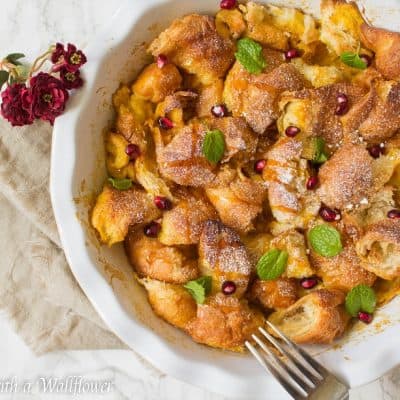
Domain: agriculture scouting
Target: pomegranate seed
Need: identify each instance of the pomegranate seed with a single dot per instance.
(309, 283)
(228, 287)
(162, 203)
(292, 53)
(312, 182)
(227, 4)
(161, 60)
(259, 166)
(367, 59)
(365, 317)
(133, 151)
(394, 214)
(342, 104)
(152, 229)
(376, 150)
(219, 110)
(292, 131)
(165, 123)
(329, 215)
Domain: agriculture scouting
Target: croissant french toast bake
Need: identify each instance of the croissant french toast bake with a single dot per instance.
(254, 172)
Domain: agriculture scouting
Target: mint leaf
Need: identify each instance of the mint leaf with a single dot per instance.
(353, 60)
(3, 77)
(272, 264)
(199, 288)
(120, 184)
(325, 240)
(249, 54)
(320, 155)
(14, 57)
(360, 298)
(214, 146)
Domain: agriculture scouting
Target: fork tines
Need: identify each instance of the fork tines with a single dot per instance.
(296, 370)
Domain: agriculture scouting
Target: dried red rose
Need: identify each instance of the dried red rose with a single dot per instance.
(16, 105)
(71, 80)
(58, 54)
(74, 58)
(49, 97)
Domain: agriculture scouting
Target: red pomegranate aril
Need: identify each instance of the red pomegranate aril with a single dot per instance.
(312, 182)
(328, 215)
(152, 229)
(219, 110)
(161, 60)
(309, 283)
(228, 287)
(162, 203)
(342, 104)
(292, 53)
(165, 123)
(365, 317)
(292, 131)
(394, 214)
(133, 151)
(227, 4)
(376, 150)
(259, 166)
(367, 59)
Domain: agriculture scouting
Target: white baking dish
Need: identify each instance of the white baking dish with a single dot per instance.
(77, 170)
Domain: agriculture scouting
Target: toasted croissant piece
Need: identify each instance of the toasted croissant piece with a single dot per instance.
(223, 256)
(155, 83)
(279, 293)
(379, 205)
(171, 302)
(285, 174)
(240, 140)
(224, 322)
(238, 201)
(193, 44)
(182, 159)
(312, 110)
(116, 210)
(152, 259)
(209, 96)
(298, 265)
(230, 23)
(341, 25)
(386, 45)
(184, 223)
(315, 318)
(260, 28)
(343, 271)
(376, 116)
(379, 248)
(255, 97)
(347, 177)
(117, 161)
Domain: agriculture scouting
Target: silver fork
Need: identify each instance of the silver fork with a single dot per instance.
(300, 375)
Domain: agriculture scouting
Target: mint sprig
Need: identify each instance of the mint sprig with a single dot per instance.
(249, 54)
(353, 60)
(120, 184)
(214, 146)
(360, 298)
(325, 240)
(200, 288)
(272, 264)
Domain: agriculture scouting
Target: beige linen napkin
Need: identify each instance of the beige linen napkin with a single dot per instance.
(37, 290)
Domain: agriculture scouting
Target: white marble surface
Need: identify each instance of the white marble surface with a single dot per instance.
(30, 26)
